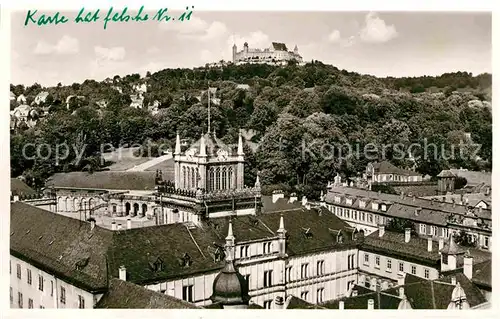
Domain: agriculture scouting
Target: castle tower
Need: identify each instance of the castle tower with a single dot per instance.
(209, 164)
(230, 288)
(234, 53)
(296, 50)
(245, 47)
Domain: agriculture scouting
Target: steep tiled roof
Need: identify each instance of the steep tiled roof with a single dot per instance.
(446, 173)
(18, 187)
(122, 294)
(57, 244)
(436, 294)
(394, 244)
(280, 205)
(297, 303)
(105, 180)
(386, 167)
(279, 46)
(381, 300)
(406, 205)
(134, 248)
(481, 274)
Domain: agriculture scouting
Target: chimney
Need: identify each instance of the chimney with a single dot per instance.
(113, 226)
(277, 194)
(354, 293)
(401, 292)
(119, 227)
(123, 273)
(381, 230)
(16, 198)
(441, 243)
(407, 235)
(293, 198)
(129, 223)
(468, 266)
(480, 209)
(429, 244)
(402, 195)
(370, 304)
(278, 301)
(341, 305)
(454, 281)
(413, 198)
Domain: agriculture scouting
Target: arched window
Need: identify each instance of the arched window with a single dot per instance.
(224, 178)
(217, 178)
(184, 177)
(196, 184)
(127, 208)
(230, 177)
(144, 209)
(211, 179)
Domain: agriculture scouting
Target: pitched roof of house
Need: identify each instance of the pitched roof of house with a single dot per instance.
(281, 204)
(393, 243)
(386, 167)
(42, 237)
(126, 295)
(57, 244)
(436, 294)
(404, 206)
(446, 173)
(279, 46)
(20, 188)
(381, 300)
(473, 177)
(105, 180)
(481, 274)
(298, 303)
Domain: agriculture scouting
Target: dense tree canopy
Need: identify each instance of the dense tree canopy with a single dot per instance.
(311, 121)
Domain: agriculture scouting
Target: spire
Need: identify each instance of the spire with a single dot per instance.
(282, 225)
(203, 148)
(230, 243)
(452, 248)
(257, 182)
(230, 235)
(177, 145)
(240, 144)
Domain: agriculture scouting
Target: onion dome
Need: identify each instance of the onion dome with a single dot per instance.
(230, 287)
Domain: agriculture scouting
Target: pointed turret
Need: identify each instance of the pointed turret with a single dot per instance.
(240, 144)
(257, 182)
(177, 145)
(282, 225)
(282, 237)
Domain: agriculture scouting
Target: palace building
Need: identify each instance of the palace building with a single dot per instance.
(277, 53)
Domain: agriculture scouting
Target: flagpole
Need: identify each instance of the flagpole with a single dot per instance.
(208, 109)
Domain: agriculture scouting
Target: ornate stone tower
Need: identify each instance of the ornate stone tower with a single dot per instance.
(234, 53)
(209, 165)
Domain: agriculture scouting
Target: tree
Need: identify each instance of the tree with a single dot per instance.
(400, 224)
(463, 239)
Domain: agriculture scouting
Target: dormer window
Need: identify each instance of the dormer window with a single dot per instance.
(307, 232)
(375, 206)
(383, 207)
(348, 201)
(362, 203)
(337, 199)
(156, 264)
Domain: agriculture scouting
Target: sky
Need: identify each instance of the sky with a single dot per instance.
(377, 43)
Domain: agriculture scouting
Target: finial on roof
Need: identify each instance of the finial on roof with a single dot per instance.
(203, 148)
(230, 235)
(240, 144)
(177, 145)
(282, 224)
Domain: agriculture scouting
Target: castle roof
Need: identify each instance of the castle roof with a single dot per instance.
(230, 287)
(386, 167)
(279, 46)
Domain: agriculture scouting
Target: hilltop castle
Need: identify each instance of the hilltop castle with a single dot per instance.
(277, 53)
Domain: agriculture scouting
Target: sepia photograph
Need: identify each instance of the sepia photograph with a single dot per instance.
(193, 159)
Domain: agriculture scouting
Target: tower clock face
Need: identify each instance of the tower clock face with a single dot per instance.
(222, 155)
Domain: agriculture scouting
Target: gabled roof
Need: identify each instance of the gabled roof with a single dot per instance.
(446, 173)
(106, 180)
(297, 303)
(481, 274)
(381, 300)
(56, 243)
(126, 295)
(280, 205)
(451, 247)
(20, 188)
(279, 46)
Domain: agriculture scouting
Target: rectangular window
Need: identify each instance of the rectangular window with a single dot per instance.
(350, 262)
(266, 248)
(40, 282)
(319, 295)
(401, 267)
(114, 208)
(267, 304)
(413, 270)
(63, 295)
(370, 218)
(362, 216)
(28, 275)
(11, 296)
(303, 295)
(18, 271)
(422, 228)
(51, 287)
(377, 261)
(426, 273)
(433, 230)
(187, 293)
(321, 267)
(355, 214)
(367, 259)
(268, 278)
(389, 265)
(444, 259)
(486, 242)
(377, 219)
(30, 303)
(303, 271)
(20, 299)
(81, 302)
